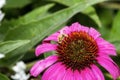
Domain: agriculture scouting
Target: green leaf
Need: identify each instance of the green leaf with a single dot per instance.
(68, 2)
(43, 26)
(8, 46)
(106, 18)
(17, 3)
(117, 45)
(37, 30)
(90, 11)
(49, 53)
(3, 77)
(115, 31)
(34, 15)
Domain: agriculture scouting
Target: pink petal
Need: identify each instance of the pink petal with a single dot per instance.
(94, 33)
(97, 72)
(45, 48)
(109, 65)
(51, 71)
(42, 64)
(53, 37)
(58, 73)
(65, 30)
(77, 75)
(68, 75)
(105, 47)
(85, 29)
(75, 27)
(85, 74)
(89, 74)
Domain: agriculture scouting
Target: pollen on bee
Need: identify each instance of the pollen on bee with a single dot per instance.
(61, 37)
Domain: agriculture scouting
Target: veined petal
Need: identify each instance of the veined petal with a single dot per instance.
(45, 48)
(94, 33)
(53, 37)
(50, 71)
(97, 72)
(105, 47)
(109, 65)
(77, 75)
(75, 27)
(58, 73)
(68, 75)
(89, 74)
(83, 74)
(42, 64)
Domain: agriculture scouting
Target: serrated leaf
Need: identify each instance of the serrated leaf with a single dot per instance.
(3, 77)
(36, 31)
(115, 31)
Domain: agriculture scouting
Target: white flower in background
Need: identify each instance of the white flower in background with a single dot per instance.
(2, 3)
(2, 55)
(19, 69)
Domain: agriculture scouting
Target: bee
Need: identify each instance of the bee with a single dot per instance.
(61, 37)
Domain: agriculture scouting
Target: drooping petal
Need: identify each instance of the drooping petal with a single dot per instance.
(105, 47)
(77, 75)
(109, 65)
(75, 27)
(68, 75)
(45, 48)
(50, 72)
(53, 37)
(89, 75)
(97, 72)
(42, 64)
(58, 73)
(94, 33)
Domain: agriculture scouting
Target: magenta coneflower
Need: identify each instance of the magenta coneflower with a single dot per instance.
(78, 50)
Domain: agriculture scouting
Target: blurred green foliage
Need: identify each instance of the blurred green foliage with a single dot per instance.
(3, 77)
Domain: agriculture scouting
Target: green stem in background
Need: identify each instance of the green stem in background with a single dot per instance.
(29, 65)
